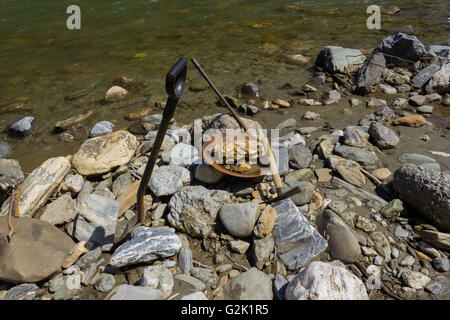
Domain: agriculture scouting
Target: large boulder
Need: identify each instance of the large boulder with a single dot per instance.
(426, 191)
(101, 154)
(39, 185)
(194, 209)
(36, 251)
(325, 281)
(338, 59)
(400, 48)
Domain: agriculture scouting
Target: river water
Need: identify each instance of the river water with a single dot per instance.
(42, 62)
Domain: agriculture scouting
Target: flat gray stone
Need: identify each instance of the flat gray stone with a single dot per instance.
(364, 157)
(102, 213)
(5, 149)
(195, 283)
(297, 241)
(60, 211)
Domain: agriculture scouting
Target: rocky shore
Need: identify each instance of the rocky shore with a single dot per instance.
(371, 221)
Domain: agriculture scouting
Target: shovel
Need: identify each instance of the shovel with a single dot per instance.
(174, 87)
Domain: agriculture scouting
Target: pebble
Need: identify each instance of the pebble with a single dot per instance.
(185, 261)
(101, 128)
(106, 283)
(195, 283)
(441, 264)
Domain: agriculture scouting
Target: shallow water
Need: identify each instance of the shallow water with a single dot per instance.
(42, 62)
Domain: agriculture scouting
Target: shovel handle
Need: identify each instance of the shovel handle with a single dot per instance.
(174, 87)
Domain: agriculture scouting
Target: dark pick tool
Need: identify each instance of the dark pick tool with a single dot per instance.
(174, 87)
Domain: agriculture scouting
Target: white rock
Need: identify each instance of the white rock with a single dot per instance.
(414, 279)
(115, 93)
(325, 281)
(195, 296)
(158, 277)
(128, 292)
(72, 183)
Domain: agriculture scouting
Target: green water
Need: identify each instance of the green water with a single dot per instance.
(41, 61)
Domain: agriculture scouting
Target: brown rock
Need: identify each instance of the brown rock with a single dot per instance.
(138, 114)
(323, 174)
(381, 173)
(36, 251)
(437, 239)
(101, 154)
(266, 222)
(412, 120)
(73, 121)
(281, 103)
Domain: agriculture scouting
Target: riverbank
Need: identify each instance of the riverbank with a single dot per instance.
(373, 211)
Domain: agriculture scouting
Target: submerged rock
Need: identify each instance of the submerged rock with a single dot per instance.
(325, 281)
(102, 128)
(5, 149)
(115, 93)
(427, 191)
(22, 127)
